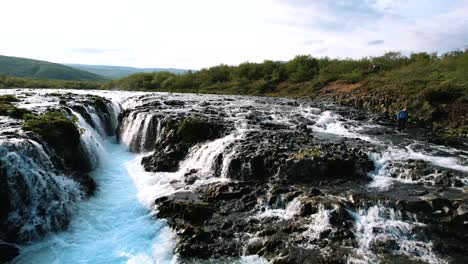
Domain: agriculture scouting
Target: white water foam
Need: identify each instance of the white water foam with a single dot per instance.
(328, 122)
(43, 198)
(90, 140)
(319, 222)
(381, 160)
(379, 224)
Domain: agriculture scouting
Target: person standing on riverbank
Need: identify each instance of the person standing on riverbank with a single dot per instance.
(402, 119)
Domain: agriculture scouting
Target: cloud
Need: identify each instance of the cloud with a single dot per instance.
(314, 42)
(375, 42)
(209, 32)
(92, 50)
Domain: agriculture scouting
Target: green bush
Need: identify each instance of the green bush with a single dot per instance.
(8, 98)
(302, 68)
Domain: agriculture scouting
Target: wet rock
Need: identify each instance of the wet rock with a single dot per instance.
(180, 134)
(415, 206)
(185, 206)
(8, 252)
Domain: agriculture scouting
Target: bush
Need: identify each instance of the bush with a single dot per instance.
(8, 98)
(302, 68)
(442, 94)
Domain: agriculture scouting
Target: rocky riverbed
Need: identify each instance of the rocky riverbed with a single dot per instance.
(295, 181)
(289, 181)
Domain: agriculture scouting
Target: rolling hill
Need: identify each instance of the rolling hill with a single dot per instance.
(115, 72)
(22, 67)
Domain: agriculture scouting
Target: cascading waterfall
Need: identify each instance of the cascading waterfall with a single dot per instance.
(380, 225)
(140, 131)
(44, 199)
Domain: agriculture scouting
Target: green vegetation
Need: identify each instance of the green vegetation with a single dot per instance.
(433, 87)
(16, 82)
(54, 127)
(21, 67)
(314, 152)
(8, 98)
(60, 133)
(8, 109)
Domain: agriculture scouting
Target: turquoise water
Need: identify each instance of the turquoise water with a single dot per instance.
(110, 227)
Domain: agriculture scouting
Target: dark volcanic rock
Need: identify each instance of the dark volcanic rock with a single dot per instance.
(179, 135)
(8, 252)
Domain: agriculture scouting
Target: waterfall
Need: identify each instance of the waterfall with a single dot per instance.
(387, 227)
(91, 140)
(138, 131)
(41, 199)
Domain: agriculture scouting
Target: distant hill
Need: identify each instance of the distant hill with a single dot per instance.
(22, 67)
(115, 72)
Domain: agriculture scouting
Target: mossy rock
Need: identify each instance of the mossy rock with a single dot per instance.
(61, 134)
(8, 98)
(313, 152)
(7, 109)
(55, 128)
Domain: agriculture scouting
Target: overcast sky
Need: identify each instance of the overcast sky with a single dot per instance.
(201, 33)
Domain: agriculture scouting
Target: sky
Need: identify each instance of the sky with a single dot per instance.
(194, 34)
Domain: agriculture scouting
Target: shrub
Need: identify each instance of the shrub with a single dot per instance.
(442, 94)
(8, 98)
(302, 68)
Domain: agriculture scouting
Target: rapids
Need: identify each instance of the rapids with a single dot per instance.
(118, 224)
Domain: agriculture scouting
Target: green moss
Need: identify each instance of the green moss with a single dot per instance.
(313, 152)
(7, 109)
(55, 128)
(8, 98)
(61, 134)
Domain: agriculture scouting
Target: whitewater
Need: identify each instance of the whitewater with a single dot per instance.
(118, 224)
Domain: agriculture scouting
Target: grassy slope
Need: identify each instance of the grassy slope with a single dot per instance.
(115, 72)
(21, 67)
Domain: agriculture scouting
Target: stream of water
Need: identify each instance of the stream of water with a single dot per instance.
(112, 226)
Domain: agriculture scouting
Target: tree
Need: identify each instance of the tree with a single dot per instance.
(302, 68)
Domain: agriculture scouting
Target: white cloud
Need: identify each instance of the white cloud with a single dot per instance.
(195, 34)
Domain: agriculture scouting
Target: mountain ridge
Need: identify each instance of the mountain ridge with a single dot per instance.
(116, 72)
(39, 69)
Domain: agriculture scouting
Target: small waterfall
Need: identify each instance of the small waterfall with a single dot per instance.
(212, 159)
(379, 226)
(91, 140)
(292, 209)
(319, 222)
(98, 122)
(140, 131)
(41, 199)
